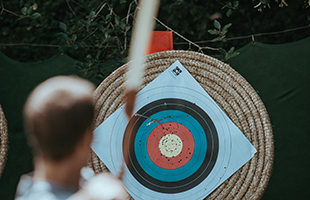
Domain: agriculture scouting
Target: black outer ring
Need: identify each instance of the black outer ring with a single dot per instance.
(212, 146)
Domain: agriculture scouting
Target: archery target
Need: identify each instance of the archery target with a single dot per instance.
(157, 157)
(184, 146)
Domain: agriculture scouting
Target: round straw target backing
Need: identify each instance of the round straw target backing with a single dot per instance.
(230, 91)
(4, 140)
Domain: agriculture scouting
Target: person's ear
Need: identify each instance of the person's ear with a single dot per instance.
(85, 141)
(88, 138)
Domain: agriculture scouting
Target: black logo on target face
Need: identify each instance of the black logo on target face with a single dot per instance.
(176, 71)
(208, 161)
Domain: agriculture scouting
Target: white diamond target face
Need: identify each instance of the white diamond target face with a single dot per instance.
(170, 169)
(183, 144)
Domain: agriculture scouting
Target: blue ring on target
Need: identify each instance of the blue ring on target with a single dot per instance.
(170, 175)
(139, 169)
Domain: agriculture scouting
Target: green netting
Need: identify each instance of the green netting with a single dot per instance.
(280, 74)
(17, 80)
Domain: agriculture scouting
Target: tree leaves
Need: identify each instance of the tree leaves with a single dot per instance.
(30, 9)
(27, 12)
(92, 14)
(222, 51)
(235, 4)
(35, 15)
(64, 36)
(63, 26)
(221, 33)
(228, 54)
(229, 12)
(213, 32)
(189, 18)
(231, 6)
(24, 11)
(100, 27)
(265, 1)
(226, 27)
(217, 24)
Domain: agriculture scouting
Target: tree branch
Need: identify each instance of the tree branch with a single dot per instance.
(70, 7)
(2, 8)
(90, 34)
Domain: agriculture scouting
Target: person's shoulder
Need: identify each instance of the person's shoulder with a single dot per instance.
(29, 189)
(24, 184)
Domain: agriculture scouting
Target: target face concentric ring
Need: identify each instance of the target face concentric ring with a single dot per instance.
(174, 145)
(170, 145)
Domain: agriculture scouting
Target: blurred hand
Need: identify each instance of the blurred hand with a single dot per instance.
(103, 186)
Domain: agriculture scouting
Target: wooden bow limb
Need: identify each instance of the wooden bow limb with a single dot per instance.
(144, 24)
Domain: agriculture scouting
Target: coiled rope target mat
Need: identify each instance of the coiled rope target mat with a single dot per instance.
(230, 91)
(4, 140)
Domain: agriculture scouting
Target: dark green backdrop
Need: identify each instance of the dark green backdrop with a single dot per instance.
(16, 81)
(281, 76)
(279, 73)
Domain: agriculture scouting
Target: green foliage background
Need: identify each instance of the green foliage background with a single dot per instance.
(97, 31)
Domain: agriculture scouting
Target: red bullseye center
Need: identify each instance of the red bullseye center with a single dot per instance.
(170, 145)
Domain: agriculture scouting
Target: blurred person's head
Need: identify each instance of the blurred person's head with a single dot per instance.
(58, 117)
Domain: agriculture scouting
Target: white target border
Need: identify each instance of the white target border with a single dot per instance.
(234, 148)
